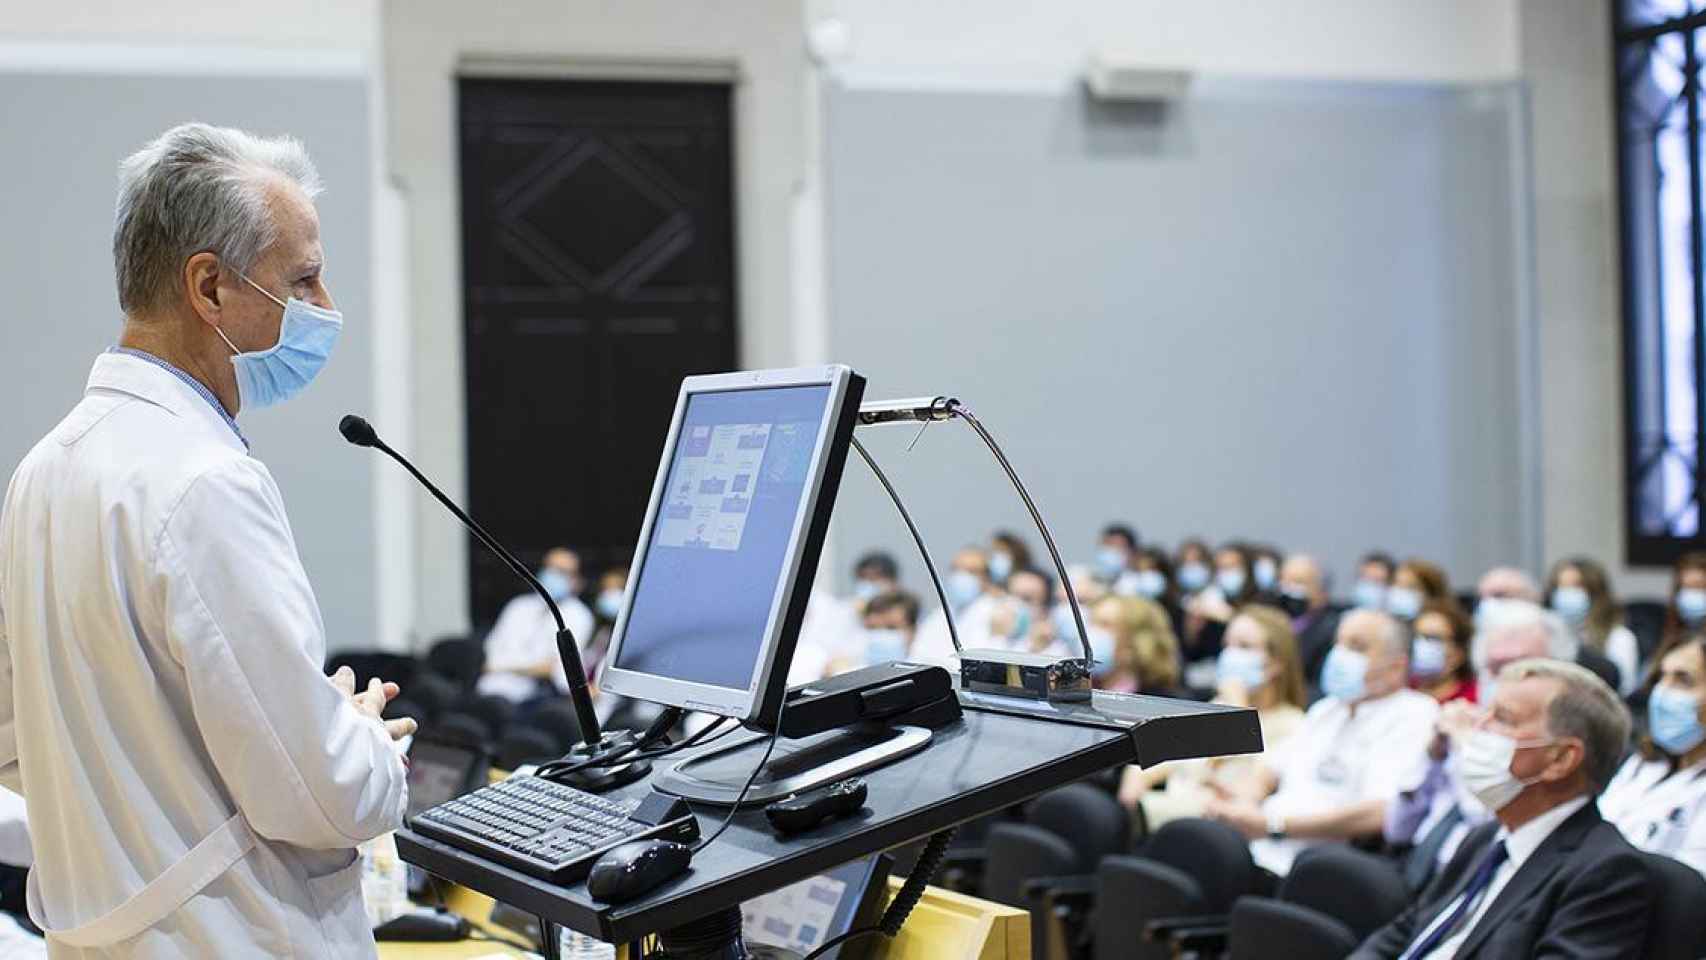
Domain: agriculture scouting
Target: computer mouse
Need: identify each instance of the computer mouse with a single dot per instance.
(636, 868)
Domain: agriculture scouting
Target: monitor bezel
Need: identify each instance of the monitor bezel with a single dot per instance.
(767, 684)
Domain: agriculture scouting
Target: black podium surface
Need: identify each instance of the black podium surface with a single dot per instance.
(1003, 752)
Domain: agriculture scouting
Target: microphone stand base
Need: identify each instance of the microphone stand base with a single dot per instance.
(600, 779)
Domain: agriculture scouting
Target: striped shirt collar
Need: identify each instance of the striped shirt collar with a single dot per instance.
(194, 384)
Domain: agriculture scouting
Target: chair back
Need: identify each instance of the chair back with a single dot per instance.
(1090, 819)
(433, 692)
(1216, 855)
(522, 744)
(1646, 620)
(495, 710)
(1019, 852)
(1130, 893)
(558, 719)
(458, 659)
(1676, 928)
(462, 728)
(1261, 928)
(1361, 890)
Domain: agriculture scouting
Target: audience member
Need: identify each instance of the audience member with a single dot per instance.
(1415, 582)
(1021, 620)
(1579, 591)
(1089, 589)
(1258, 668)
(1550, 877)
(1194, 567)
(1007, 553)
(1433, 810)
(874, 573)
(1658, 797)
(1145, 651)
(1115, 553)
(1208, 610)
(522, 662)
(1334, 778)
(973, 597)
(1374, 578)
(1303, 596)
(1687, 611)
(1507, 583)
(1440, 664)
(1155, 581)
(606, 607)
(1265, 562)
(889, 623)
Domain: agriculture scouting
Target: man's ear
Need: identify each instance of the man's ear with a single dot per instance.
(1567, 762)
(201, 286)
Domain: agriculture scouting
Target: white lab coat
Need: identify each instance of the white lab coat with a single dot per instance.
(1660, 810)
(525, 634)
(196, 786)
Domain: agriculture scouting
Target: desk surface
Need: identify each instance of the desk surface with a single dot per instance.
(989, 761)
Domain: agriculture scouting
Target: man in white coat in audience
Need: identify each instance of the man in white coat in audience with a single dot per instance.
(196, 785)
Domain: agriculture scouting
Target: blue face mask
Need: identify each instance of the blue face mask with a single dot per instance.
(1149, 583)
(1021, 623)
(1267, 573)
(1427, 657)
(1000, 566)
(306, 337)
(1109, 562)
(1230, 581)
(1673, 721)
(883, 645)
(1572, 604)
(1691, 605)
(608, 604)
(1370, 595)
(1403, 603)
(866, 589)
(556, 583)
(962, 587)
(1344, 676)
(1248, 667)
(1102, 648)
(1065, 627)
(1193, 577)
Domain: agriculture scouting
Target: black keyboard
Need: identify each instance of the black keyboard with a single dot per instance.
(549, 830)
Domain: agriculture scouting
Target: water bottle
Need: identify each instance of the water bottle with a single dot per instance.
(578, 946)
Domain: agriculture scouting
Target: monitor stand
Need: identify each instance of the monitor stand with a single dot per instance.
(717, 776)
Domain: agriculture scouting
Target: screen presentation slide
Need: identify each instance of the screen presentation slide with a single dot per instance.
(710, 494)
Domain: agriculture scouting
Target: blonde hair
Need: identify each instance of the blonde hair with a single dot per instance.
(1281, 645)
(1145, 635)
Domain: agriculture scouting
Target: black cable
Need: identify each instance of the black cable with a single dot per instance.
(775, 731)
(475, 933)
(917, 538)
(929, 861)
(660, 728)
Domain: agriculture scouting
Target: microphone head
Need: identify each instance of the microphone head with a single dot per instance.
(358, 431)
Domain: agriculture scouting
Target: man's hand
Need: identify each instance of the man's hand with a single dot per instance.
(371, 702)
(1246, 818)
(1455, 721)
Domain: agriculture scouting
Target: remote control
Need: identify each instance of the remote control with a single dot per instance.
(798, 812)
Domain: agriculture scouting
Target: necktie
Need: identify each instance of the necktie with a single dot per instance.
(1465, 902)
(1419, 866)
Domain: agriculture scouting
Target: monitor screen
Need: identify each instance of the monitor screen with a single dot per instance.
(722, 532)
(440, 772)
(802, 916)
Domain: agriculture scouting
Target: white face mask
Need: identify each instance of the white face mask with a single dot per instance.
(1482, 763)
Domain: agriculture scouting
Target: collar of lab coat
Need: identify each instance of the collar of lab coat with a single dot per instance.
(154, 384)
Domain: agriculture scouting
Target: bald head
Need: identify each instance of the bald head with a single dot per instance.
(1508, 583)
(1301, 574)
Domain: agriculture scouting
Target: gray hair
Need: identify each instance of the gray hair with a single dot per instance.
(197, 188)
(1394, 636)
(1586, 709)
(1505, 614)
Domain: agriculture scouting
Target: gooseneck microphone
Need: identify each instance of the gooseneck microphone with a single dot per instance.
(594, 743)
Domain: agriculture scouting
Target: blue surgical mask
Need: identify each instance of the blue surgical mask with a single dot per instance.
(1065, 627)
(962, 587)
(1149, 583)
(1102, 648)
(1572, 604)
(306, 337)
(883, 645)
(1370, 595)
(1109, 562)
(1000, 566)
(1230, 581)
(1193, 577)
(1266, 572)
(1673, 721)
(556, 583)
(1248, 667)
(1021, 623)
(1691, 605)
(1403, 603)
(608, 604)
(1344, 676)
(1427, 657)
(866, 589)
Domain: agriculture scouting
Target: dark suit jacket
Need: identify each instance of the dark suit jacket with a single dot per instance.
(1584, 893)
(1313, 644)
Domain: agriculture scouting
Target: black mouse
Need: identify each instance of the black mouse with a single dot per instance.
(636, 868)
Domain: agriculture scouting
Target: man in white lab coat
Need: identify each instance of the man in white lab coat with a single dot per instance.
(196, 785)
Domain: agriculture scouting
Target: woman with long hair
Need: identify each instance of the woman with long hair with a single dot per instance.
(1578, 590)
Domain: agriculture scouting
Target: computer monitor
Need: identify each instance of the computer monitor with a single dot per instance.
(730, 544)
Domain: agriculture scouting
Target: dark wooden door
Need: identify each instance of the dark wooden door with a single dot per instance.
(598, 270)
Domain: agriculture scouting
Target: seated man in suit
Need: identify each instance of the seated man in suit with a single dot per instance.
(1548, 877)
